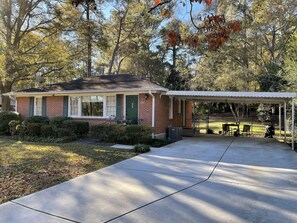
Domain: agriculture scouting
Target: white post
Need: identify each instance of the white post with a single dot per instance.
(293, 123)
(280, 120)
(285, 121)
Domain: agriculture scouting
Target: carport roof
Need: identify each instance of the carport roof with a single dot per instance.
(232, 96)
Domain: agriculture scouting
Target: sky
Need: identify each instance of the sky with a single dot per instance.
(180, 12)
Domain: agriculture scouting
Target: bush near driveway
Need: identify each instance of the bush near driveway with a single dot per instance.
(29, 167)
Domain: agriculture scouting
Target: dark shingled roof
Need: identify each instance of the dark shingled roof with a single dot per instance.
(104, 82)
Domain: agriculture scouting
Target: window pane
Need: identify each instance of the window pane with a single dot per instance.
(111, 106)
(74, 106)
(38, 106)
(92, 106)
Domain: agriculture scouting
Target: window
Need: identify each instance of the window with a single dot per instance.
(92, 106)
(38, 106)
(111, 106)
(170, 108)
(74, 102)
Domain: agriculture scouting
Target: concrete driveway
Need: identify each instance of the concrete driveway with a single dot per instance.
(203, 179)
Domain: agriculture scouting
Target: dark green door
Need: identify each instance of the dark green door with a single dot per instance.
(132, 109)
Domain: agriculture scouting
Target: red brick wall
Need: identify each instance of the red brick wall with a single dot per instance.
(189, 112)
(23, 106)
(161, 113)
(145, 109)
(54, 106)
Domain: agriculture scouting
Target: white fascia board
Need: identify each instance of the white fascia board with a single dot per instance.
(85, 92)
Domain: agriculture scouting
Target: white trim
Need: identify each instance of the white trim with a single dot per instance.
(39, 97)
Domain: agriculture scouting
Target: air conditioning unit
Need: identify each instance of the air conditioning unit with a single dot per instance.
(174, 133)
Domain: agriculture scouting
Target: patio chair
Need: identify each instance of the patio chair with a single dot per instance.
(246, 130)
(226, 129)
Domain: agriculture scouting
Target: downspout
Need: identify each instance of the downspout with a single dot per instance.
(153, 111)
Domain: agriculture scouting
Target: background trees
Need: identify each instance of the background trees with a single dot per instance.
(251, 48)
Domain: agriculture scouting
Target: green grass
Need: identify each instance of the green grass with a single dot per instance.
(27, 167)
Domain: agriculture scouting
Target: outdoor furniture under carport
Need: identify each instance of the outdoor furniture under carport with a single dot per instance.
(281, 98)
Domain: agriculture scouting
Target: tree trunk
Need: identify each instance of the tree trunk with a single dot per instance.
(5, 103)
(5, 99)
(89, 63)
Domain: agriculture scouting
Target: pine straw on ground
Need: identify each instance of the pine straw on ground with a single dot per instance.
(27, 167)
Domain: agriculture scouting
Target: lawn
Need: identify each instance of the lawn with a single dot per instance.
(29, 167)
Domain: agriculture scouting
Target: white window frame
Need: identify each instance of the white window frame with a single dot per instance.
(35, 106)
(106, 106)
(80, 106)
(170, 108)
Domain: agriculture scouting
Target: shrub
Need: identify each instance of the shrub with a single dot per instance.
(38, 119)
(58, 121)
(76, 127)
(141, 148)
(100, 132)
(131, 134)
(5, 118)
(63, 132)
(137, 133)
(47, 131)
(34, 129)
(82, 128)
(12, 126)
(21, 130)
(108, 133)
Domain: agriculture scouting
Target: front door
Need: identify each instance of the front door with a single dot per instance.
(132, 109)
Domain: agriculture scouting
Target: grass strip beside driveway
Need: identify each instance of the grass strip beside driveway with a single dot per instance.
(27, 167)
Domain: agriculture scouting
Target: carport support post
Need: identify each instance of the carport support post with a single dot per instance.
(280, 120)
(285, 121)
(293, 122)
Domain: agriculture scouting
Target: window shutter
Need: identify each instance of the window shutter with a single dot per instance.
(31, 106)
(65, 106)
(43, 106)
(119, 105)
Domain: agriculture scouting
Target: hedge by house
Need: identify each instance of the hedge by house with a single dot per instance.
(129, 134)
(60, 129)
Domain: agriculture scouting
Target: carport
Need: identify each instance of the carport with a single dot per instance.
(280, 98)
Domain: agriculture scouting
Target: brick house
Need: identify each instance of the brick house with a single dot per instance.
(106, 99)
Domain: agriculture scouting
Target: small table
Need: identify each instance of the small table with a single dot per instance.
(236, 125)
